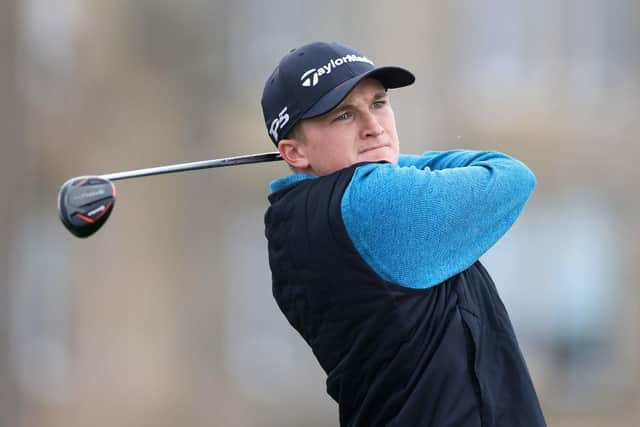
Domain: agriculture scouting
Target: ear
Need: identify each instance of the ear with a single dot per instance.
(292, 151)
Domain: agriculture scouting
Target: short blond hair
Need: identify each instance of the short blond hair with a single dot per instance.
(296, 133)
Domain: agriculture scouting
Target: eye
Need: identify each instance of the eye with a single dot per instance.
(380, 103)
(343, 116)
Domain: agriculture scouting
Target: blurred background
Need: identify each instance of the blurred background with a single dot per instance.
(165, 317)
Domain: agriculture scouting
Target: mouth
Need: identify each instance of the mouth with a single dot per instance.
(373, 147)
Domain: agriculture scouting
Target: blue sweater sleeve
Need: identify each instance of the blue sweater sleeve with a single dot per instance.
(432, 216)
(438, 160)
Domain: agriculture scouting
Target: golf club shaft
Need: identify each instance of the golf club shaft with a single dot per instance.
(204, 164)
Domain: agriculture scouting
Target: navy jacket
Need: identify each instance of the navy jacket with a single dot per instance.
(394, 356)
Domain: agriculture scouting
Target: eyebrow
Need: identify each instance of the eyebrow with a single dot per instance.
(377, 96)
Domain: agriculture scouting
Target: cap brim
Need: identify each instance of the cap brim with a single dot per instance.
(390, 77)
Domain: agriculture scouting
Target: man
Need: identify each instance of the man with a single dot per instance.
(374, 254)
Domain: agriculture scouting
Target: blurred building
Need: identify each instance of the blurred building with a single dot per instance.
(165, 317)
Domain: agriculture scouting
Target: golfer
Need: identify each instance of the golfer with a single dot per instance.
(374, 254)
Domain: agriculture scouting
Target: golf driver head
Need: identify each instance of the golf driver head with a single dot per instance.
(85, 203)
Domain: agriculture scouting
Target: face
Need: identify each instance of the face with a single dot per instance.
(362, 128)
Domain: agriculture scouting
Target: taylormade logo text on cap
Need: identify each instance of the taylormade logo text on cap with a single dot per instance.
(311, 77)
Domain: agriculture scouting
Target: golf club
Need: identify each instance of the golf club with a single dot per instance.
(85, 202)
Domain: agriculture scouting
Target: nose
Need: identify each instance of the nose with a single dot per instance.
(370, 126)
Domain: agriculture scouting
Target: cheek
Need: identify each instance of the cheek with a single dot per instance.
(341, 155)
(390, 124)
(338, 145)
(330, 151)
